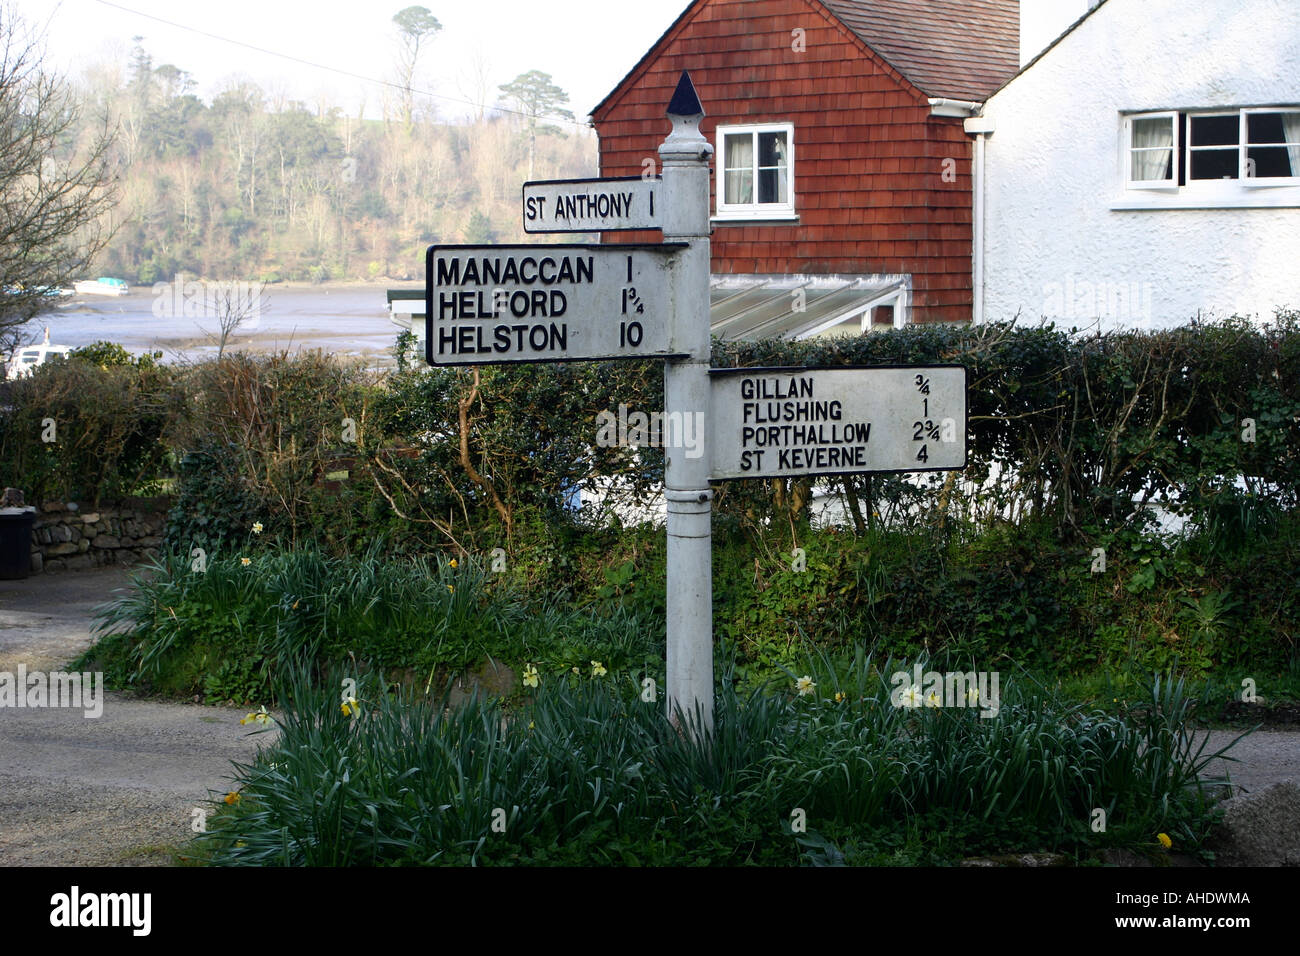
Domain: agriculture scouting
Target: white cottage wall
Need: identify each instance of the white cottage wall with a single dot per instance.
(1064, 238)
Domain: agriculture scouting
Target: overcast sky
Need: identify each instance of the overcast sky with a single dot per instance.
(586, 45)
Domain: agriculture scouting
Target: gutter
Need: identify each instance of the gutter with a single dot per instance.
(942, 106)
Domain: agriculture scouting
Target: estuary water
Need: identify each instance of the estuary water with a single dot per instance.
(347, 319)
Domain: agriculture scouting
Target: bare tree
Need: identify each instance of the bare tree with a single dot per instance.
(475, 83)
(53, 188)
(237, 306)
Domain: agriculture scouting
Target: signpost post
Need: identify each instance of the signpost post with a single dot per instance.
(560, 303)
(685, 157)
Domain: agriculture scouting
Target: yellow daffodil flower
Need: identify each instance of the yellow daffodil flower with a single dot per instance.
(350, 707)
(1164, 840)
(839, 697)
(454, 564)
(932, 699)
(258, 717)
(598, 669)
(231, 798)
(530, 676)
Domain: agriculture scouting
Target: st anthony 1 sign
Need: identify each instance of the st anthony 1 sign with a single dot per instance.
(593, 205)
(494, 304)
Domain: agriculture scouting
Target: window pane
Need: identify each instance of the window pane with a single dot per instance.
(773, 185)
(1215, 131)
(1153, 154)
(1265, 162)
(1156, 131)
(1214, 164)
(771, 149)
(1264, 128)
(1150, 165)
(740, 186)
(740, 152)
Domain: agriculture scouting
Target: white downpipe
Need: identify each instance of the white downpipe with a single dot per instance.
(977, 239)
(981, 126)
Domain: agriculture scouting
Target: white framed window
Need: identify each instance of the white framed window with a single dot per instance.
(1207, 158)
(1152, 151)
(755, 169)
(1270, 154)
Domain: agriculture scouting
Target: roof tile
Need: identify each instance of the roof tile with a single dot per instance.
(961, 49)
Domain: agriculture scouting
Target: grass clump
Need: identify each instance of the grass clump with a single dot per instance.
(586, 771)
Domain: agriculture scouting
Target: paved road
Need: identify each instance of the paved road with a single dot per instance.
(114, 790)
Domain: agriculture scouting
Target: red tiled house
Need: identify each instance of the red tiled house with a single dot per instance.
(841, 166)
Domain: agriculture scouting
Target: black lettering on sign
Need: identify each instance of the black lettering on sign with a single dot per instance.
(593, 206)
(479, 339)
(526, 270)
(781, 414)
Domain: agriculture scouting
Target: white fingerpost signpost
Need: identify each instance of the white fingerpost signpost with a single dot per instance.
(685, 158)
(562, 303)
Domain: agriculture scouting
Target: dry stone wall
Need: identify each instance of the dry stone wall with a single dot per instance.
(67, 536)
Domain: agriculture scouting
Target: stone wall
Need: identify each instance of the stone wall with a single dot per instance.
(69, 536)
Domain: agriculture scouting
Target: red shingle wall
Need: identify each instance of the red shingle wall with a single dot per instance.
(869, 159)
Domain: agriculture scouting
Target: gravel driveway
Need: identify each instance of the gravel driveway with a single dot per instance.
(115, 790)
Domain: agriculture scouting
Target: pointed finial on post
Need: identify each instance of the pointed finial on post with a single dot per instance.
(685, 111)
(685, 102)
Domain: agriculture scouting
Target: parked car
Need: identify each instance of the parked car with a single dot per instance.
(27, 358)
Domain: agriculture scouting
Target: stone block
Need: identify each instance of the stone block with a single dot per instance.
(1259, 829)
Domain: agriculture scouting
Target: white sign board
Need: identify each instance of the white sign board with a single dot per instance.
(776, 422)
(493, 304)
(593, 205)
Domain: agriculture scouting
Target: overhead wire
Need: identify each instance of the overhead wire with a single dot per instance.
(326, 67)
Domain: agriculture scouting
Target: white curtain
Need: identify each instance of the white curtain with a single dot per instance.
(1153, 145)
(739, 162)
(1291, 131)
